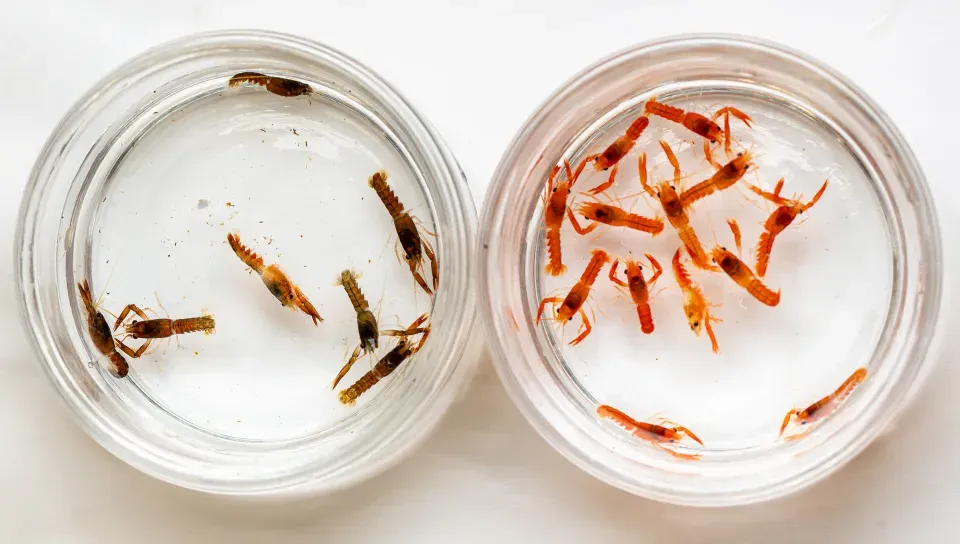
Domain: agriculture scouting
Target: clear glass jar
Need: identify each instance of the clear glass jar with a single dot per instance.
(136, 190)
(880, 207)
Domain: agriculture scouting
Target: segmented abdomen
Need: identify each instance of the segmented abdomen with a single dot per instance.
(764, 247)
(645, 224)
(390, 201)
(694, 249)
(352, 393)
(255, 78)
(193, 324)
(718, 182)
(622, 419)
(679, 272)
(555, 265)
(662, 110)
(851, 383)
(381, 370)
(646, 317)
(277, 85)
(763, 293)
(698, 191)
(598, 259)
(349, 283)
(637, 127)
(248, 257)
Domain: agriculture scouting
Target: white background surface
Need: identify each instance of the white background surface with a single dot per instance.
(476, 71)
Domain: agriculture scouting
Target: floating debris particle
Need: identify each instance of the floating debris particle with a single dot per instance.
(202, 203)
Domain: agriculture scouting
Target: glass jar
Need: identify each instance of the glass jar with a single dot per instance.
(841, 309)
(136, 190)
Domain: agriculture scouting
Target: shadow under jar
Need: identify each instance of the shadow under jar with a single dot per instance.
(137, 190)
(859, 274)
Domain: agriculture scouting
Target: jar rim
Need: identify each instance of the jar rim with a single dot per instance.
(453, 343)
(514, 182)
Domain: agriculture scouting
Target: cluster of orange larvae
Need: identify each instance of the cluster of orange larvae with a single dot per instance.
(677, 206)
(416, 254)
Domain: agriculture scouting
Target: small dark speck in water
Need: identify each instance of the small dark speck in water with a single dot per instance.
(263, 130)
(108, 261)
(168, 254)
(196, 353)
(294, 131)
(229, 204)
(202, 203)
(485, 246)
(261, 222)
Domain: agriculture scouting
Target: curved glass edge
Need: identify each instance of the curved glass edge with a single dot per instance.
(492, 217)
(124, 445)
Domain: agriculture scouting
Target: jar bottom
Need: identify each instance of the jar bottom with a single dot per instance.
(289, 176)
(831, 266)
